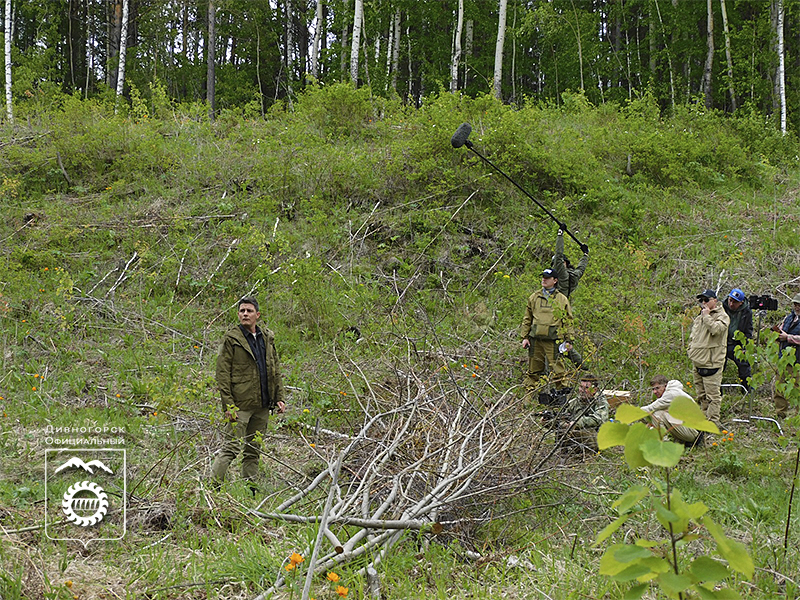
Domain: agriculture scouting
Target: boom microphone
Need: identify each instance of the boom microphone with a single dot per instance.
(460, 139)
(460, 136)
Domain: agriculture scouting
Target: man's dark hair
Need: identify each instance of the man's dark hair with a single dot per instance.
(248, 300)
(659, 380)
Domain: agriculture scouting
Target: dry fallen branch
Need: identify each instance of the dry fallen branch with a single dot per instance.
(435, 451)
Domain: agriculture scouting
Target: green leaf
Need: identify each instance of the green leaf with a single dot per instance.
(656, 564)
(662, 454)
(618, 557)
(611, 434)
(731, 550)
(628, 552)
(705, 568)
(636, 592)
(666, 517)
(673, 584)
(611, 528)
(635, 571)
(609, 565)
(686, 409)
(723, 594)
(684, 512)
(628, 413)
(638, 433)
(630, 498)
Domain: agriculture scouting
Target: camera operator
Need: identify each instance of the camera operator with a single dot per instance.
(789, 337)
(741, 319)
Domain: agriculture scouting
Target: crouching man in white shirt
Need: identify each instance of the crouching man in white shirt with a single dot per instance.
(665, 391)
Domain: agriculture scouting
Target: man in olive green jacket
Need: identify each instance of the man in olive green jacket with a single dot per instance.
(547, 321)
(707, 349)
(250, 387)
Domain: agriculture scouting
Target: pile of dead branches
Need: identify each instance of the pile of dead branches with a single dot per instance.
(436, 458)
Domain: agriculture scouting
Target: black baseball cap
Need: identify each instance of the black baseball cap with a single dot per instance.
(549, 273)
(707, 294)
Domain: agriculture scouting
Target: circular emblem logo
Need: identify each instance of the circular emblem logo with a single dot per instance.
(85, 503)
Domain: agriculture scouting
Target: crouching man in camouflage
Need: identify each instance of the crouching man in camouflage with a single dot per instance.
(583, 414)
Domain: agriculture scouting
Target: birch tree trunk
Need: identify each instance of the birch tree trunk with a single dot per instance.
(669, 56)
(357, 21)
(7, 30)
(289, 48)
(469, 34)
(498, 50)
(8, 33)
(389, 53)
(211, 57)
(707, 90)
(123, 47)
(456, 49)
(316, 44)
(781, 63)
(580, 46)
(396, 50)
(727, 34)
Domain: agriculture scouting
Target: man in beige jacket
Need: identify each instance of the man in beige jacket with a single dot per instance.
(707, 347)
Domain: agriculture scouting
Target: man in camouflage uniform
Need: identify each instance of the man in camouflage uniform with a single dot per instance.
(568, 278)
(548, 317)
(583, 414)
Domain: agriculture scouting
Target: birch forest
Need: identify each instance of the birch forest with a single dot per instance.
(725, 55)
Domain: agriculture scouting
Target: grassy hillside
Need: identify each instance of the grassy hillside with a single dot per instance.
(385, 261)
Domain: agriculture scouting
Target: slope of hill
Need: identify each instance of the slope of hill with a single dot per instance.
(390, 266)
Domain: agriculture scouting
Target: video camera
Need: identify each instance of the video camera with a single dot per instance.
(555, 397)
(764, 302)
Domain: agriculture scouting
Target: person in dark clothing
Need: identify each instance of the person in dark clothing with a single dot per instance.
(788, 337)
(568, 278)
(250, 386)
(738, 310)
(568, 275)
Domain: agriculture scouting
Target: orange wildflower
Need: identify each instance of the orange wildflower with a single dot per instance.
(296, 559)
(341, 590)
(333, 577)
